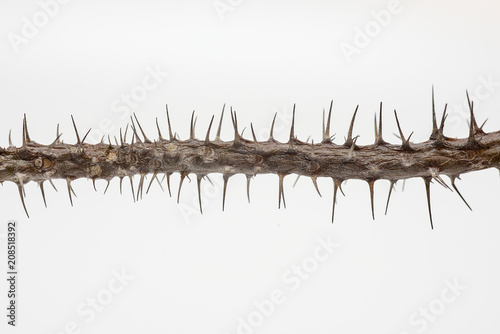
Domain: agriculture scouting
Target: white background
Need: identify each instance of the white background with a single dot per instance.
(197, 273)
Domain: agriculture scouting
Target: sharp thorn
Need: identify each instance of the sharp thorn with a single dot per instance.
(254, 137)
(427, 181)
(292, 129)
(226, 178)
(371, 185)
(326, 134)
(107, 186)
(52, 184)
(271, 137)
(28, 139)
(349, 140)
(389, 196)
(168, 183)
(10, 138)
(314, 180)
(183, 176)
(191, 132)
(335, 188)
(207, 138)
(43, 192)
(141, 185)
(146, 140)
(21, 192)
(296, 180)
(93, 183)
(249, 178)
(76, 130)
(121, 181)
(452, 178)
(434, 133)
(198, 179)
(151, 182)
(217, 136)
(160, 137)
(68, 182)
(281, 194)
(169, 126)
(132, 187)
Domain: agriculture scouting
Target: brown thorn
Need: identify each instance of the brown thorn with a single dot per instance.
(121, 181)
(237, 137)
(183, 176)
(217, 137)
(335, 188)
(349, 140)
(40, 184)
(254, 137)
(281, 193)
(380, 139)
(249, 178)
(389, 196)
(452, 178)
(314, 178)
(169, 126)
(93, 183)
(434, 132)
(68, 182)
(226, 178)
(135, 132)
(132, 187)
(371, 185)
(85, 137)
(198, 179)
(471, 105)
(292, 129)
(107, 186)
(326, 134)
(125, 134)
(141, 185)
(427, 181)
(191, 132)
(207, 138)
(52, 184)
(151, 182)
(271, 138)
(76, 130)
(21, 191)
(160, 137)
(28, 139)
(146, 140)
(168, 183)
(10, 138)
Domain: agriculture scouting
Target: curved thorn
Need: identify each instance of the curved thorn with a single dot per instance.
(254, 137)
(313, 178)
(249, 178)
(168, 183)
(207, 137)
(272, 128)
(191, 131)
(349, 139)
(121, 181)
(52, 184)
(20, 187)
(93, 183)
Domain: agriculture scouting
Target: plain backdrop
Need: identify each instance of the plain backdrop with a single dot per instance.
(233, 271)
